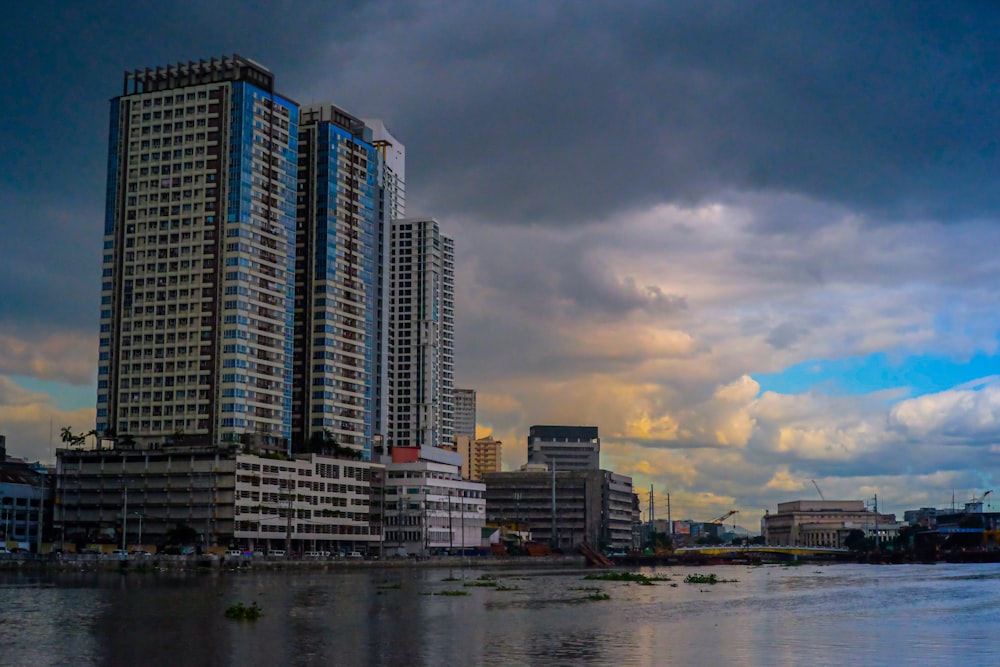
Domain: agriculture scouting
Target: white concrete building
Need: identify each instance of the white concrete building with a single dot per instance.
(429, 508)
(315, 503)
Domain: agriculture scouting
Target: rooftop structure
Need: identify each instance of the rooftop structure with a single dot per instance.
(566, 447)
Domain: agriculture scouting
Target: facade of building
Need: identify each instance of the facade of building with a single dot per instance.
(101, 494)
(337, 319)
(429, 507)
(392, 205)
(568, 447)
(227, 498)
(594, 506)
(196, 295)
(312, 503)
(824, 523)
(479, 456)
(25, 503)
(421, 335)
(465, 412)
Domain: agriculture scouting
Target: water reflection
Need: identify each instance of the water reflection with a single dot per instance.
(770, 616)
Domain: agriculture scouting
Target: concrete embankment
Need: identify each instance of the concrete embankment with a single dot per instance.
(92, 562)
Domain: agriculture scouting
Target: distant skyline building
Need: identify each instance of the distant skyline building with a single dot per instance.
(421, 334)
(479, 455)
(196, 295)
(465, 412)
(337, 319)
(568, 447)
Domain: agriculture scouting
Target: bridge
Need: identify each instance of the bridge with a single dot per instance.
(760, 550)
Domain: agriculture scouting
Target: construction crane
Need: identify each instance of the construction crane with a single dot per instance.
(975, 506)
(817, 490)
(724, 517)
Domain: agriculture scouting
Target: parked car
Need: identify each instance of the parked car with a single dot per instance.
(4, 550)
(234, 553)
(276, 553)
(354, 555)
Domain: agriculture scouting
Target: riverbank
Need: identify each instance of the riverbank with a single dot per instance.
(109, 563)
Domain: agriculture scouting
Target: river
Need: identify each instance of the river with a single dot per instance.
(770, 615)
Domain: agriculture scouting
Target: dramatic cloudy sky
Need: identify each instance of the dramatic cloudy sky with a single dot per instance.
(755, 243)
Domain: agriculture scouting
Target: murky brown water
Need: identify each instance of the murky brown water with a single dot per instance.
(806, 615)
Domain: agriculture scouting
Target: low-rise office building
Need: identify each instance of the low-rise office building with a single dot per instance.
(594, 506)
(25, 503)
(227, 498)
(312, 503)
(566, 447)
(429, 507)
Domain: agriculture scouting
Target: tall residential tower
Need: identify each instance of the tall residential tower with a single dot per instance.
(337, 320)
(196, 295)
(422, 334)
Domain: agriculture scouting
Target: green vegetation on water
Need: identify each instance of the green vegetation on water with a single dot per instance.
(597, 597)
(452, 593)
(242, 612)
(706, 579)
(632, 577)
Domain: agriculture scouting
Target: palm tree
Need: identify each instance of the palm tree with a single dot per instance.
(72, 439)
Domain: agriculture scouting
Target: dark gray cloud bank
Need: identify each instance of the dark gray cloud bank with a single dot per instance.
(650, 198)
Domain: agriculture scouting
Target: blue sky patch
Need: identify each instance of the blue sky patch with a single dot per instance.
(922, 374)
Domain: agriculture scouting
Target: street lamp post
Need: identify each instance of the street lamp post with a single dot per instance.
(139, 514)
(124, 515)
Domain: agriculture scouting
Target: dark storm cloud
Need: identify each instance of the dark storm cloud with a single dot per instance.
(539, 112)
(521, 112)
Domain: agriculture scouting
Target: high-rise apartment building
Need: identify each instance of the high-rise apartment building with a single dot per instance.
(566, 447)
(196, 294)
(422, 334)
(338, 322)
(465, 412)
(392, 188)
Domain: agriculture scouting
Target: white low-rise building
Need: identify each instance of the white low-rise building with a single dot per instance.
(311, 504)
(429, 507)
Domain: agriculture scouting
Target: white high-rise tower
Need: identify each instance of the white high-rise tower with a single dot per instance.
(421, 334)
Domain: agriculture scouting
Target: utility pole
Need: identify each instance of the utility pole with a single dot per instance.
(124, 514)
(41, 511)
(451, 530)
(288, 521)
(670, 522)
(427, 531)
(876, 523)
(555, 541)
(381, 539)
